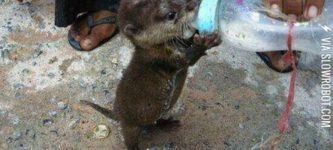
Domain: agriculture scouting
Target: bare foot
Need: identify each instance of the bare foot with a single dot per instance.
(275, 60)
(91, 37)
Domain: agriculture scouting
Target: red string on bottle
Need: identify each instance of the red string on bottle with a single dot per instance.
(283, 123)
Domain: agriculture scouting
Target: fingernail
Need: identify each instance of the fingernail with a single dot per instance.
(313, 11)
(275, 8)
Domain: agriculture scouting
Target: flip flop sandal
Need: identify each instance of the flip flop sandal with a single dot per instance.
(91, 24)
(268, 62)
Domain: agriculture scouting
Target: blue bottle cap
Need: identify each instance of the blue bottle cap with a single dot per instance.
(207, 17)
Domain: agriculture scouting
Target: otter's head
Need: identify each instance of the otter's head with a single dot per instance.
(149, 23)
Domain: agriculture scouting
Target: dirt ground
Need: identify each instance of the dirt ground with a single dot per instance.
(231, 99)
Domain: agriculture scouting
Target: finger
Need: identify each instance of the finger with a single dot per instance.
(293, 7)
(313, 8)
(275, 7)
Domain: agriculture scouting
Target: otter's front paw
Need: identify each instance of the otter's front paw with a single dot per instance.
(208, 41)
(200, 45)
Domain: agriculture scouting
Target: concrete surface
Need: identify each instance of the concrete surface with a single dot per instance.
(231, 99)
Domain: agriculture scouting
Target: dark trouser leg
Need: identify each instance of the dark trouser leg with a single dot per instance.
(67, 10)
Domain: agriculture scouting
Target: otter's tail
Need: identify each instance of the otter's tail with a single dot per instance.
(104, 111)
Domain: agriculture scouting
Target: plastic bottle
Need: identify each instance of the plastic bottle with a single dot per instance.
(244, 24)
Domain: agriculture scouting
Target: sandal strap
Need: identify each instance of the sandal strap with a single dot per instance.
(107, 20)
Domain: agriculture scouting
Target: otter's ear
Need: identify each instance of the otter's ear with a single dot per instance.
(130, 30)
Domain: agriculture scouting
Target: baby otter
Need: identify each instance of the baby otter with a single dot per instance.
(154, 79)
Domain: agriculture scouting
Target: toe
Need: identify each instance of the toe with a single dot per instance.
(98, 35)
(90, 42)
(79, 30)
(277, 61)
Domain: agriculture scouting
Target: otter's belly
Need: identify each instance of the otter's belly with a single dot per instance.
(149, 110)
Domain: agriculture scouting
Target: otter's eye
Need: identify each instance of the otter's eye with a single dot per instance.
(171, 16)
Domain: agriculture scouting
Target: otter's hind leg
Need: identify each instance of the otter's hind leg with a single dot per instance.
(179, 82)
(131, 135)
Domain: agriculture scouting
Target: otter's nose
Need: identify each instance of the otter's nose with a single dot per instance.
(191, 5)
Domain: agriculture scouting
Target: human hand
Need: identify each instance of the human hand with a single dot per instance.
(302, 9)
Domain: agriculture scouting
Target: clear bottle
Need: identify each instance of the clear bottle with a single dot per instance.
(244, 24)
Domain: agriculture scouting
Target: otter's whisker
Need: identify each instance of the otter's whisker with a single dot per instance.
(182, 42)
(173, 43)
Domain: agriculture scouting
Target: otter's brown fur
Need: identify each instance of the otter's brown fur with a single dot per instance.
(154, 79)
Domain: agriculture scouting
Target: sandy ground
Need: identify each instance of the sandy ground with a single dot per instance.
(231, 99)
